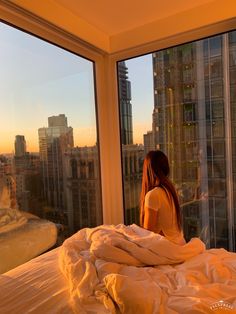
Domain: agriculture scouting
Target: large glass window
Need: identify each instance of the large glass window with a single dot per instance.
(178, 105)
(49, 159)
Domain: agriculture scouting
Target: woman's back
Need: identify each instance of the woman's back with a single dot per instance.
(160, 202)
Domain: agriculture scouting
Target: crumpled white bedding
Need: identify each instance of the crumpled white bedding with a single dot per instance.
(132, 270)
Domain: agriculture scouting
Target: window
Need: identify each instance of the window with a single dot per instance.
(216, 68)
(216, 89)
(74, 169)
(188, 93)
(232, 57)
(188, 74)
(215, 46)
(179, 100)
(189, 112)
(232, 38)
(217, 109)
(48, 138)
(187, 53)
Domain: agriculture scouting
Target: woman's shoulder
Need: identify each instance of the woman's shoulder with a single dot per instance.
(155, 197)
(154, 194)
(156, 190)
(151, 192)
(151, 199)
(157, 193)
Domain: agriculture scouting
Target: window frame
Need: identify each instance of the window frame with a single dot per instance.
(35, 26)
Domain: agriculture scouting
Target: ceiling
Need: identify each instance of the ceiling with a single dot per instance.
(113, 25)
(113, 17)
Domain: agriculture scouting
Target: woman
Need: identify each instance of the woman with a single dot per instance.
(160, 209)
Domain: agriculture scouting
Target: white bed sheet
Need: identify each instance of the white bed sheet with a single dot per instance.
(39, 287)
(36, 287)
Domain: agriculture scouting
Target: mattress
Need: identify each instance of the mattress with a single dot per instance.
(37, 286)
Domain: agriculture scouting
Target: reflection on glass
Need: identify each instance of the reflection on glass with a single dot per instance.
(183, 101)
(49, 160)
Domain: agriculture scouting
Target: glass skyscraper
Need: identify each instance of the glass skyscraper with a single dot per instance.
(125, 105)
(132, 155)
(53, 142)
(194, 124)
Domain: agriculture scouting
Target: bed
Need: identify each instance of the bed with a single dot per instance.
(122, 269)
(35, 287)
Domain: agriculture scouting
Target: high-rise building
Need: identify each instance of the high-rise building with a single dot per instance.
(132, 155)
(83, 188)
(148, 142)
(26, 174)
(20, 146)
(57, 121)
(194, 124)
(53, 142)
(6, 171)
(125, 104)
(132, 159)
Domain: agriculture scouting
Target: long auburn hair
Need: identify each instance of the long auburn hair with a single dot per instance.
(155, 173)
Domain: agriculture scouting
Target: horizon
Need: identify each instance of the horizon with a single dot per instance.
(77, 143)
(39, 80)
(59, 81)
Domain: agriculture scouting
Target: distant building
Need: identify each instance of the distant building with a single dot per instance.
(5, 166)
(26, 174)
(126, 127)
(132, 157)
(57, 121)
(20, 146)
(148, 142)
(1, 169)
(54, 140)
(83, 188)
(25, 177)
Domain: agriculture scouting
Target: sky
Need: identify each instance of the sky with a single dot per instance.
(140, 76)
(38, 80)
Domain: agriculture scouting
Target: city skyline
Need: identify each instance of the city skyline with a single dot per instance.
(61, 183)
(55, 82)
(38, 80)
(7, 146)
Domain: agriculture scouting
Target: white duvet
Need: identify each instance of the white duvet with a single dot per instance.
(126, 269)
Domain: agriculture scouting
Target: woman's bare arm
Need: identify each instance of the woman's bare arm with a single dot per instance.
(150, 219)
